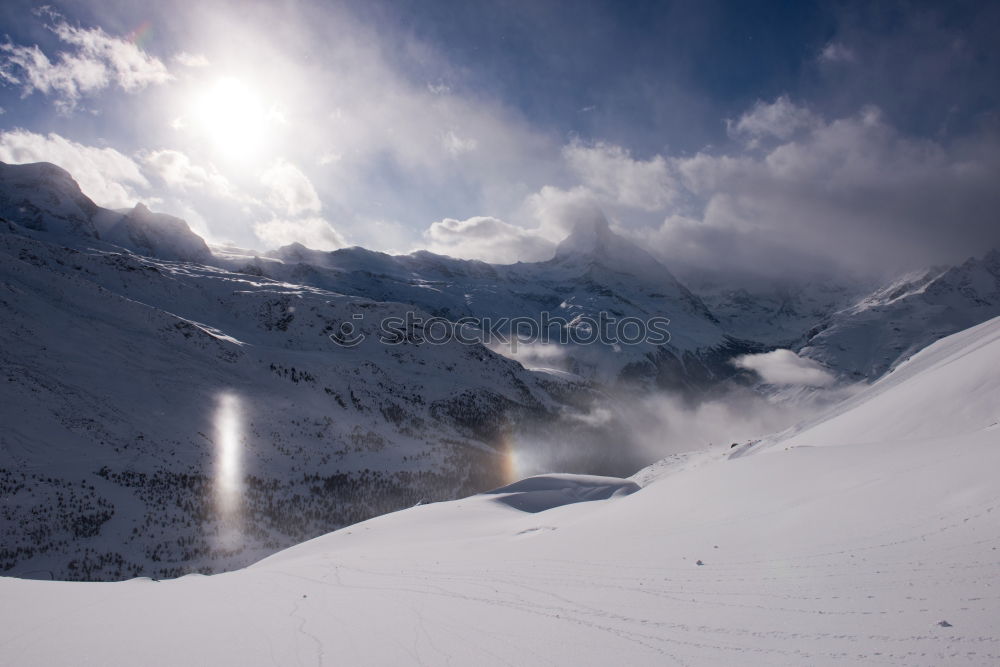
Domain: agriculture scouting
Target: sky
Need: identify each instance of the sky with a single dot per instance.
(750, 140)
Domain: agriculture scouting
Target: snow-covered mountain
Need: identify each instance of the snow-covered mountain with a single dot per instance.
(870, 336)
(45, 198)
(856, 330)
(133, 355)
(130, 383)
(593, 271)
(867, 537)
(778, 315)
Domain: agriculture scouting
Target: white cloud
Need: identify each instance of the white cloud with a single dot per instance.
(555, 212)
(312, 232)
(780, 119)
(330, 157)
(105, 175)
(95, 61)
(129, 66)
(835, 52)
(289, 189)
(191, 59)
(612, 172)
(558, 211)
(488, 239)
(534, 356)
(848, 194)
(457, 145)
(784, 367)
(177, 171)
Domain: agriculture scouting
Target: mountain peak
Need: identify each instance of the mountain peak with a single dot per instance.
(592, 242)
(49, 193)
(588, 237)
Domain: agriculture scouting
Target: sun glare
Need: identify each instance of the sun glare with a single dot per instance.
(232, 116)
(228, 473)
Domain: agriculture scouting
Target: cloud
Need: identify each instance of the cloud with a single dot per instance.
(784, 367)
(835, 52)
(178, 171)
(94, 61)
(456, 145)
(405, 137)
(558, 211)
(611, 172)
(312, 232)
(329, 157)
(488, 239)
(289, 189)
(105, 175)
(554, 211)
(533, 355)
(848, 195)
(195, 60)
(779, 119)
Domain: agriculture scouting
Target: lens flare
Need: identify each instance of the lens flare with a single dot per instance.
(511, 465)
(228, 484)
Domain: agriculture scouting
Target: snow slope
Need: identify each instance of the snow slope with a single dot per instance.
(899, 407)
(879, 547)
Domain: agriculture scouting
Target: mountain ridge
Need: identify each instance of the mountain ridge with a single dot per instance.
(593, 271)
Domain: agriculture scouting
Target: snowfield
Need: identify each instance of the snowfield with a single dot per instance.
(869, 537)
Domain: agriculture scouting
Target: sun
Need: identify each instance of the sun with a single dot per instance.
(231, 115)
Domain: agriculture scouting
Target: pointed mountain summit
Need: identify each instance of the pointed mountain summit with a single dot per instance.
(592, 243)
(608, 257)
(589, 237)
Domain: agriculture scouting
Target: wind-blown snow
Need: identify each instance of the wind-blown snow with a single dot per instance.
(880, 547)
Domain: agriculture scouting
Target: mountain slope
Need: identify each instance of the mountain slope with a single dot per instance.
(594, 271)
(777, 315)
(42, 197)
(901, 406)
(125, 376)
(869, 337)
(877, 552)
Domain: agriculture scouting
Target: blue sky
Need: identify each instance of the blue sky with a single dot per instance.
(747, 137)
